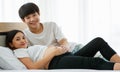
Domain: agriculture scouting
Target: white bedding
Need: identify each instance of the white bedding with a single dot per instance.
(61, 70)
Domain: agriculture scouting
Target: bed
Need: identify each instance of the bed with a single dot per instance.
(62, 70)
(9, 63)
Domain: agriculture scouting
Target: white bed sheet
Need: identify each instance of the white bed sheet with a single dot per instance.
(61, 70)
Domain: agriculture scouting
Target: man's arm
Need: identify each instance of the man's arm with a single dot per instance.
(64, 43)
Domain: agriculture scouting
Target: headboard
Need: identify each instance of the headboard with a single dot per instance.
(6, 26)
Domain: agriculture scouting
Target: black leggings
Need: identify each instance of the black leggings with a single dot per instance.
(83, 59)
(97, 44)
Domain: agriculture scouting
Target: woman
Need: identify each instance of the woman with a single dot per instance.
(43, 57)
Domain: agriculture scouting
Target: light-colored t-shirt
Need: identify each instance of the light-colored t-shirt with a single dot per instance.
(50, 35)
(35, 52)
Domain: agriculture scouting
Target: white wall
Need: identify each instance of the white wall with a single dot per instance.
(80, 20)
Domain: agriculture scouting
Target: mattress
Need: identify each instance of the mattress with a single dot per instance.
(61, 70)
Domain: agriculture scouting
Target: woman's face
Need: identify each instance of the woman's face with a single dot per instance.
(32, 20)
(19, 41)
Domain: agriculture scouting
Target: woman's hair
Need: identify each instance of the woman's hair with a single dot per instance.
(27, 9)
(9, 37)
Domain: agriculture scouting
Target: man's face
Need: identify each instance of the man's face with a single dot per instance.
(32, 20)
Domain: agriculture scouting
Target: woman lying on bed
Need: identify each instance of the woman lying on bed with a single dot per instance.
(43, 57)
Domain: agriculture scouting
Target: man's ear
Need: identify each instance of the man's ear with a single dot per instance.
(23, 20)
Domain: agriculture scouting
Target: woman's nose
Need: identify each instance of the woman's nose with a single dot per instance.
(22, 40)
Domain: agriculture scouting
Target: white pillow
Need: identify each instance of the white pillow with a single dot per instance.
(9, 61)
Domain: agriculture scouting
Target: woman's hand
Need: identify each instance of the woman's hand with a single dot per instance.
(52, 51)
(60, 50)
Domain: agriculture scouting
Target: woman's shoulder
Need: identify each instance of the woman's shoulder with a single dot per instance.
(19, 50)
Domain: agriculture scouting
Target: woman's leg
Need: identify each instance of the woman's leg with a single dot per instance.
(115, 58)
(78, 62)
(98, 44)
(116, 66)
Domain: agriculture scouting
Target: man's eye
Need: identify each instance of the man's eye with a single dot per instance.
(27, 17)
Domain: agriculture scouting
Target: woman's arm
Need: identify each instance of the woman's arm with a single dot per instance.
(40, 64)
(44, 62)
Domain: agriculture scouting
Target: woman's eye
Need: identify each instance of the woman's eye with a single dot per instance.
(17, 39)
(23, 37)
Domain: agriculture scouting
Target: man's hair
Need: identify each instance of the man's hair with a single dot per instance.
(27, 9)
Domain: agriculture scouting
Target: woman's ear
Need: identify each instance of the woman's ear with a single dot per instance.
(11, 45)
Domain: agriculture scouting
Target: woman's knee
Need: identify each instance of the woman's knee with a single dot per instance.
(99, 39)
